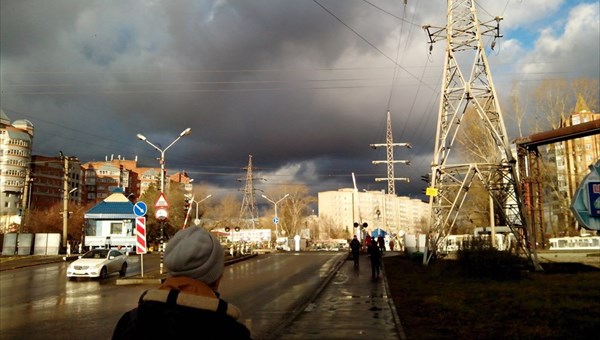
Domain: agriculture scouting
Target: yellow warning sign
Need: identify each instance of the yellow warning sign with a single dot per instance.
(431, 191)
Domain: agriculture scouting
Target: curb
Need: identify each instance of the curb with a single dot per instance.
(156, 278)
(303, 305)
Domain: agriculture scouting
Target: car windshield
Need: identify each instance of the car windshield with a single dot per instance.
(96, 254)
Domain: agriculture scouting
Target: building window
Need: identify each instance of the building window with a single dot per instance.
(116, 228)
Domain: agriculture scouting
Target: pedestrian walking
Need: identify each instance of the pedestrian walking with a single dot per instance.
(381, 243)
(368, 240)
(375, 256)
(392, 244)
(355, 247)
(187, 303)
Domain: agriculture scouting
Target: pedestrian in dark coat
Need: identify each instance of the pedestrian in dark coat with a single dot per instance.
(187, 303)
(355, 247)
(375, 256)
(381, 243)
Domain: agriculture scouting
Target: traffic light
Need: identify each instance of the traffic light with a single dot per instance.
(186, 204)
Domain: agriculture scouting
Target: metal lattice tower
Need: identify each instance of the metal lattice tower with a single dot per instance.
(389, 144)
(462, 93)
(248, 210)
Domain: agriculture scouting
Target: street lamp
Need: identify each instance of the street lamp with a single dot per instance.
(197, 221)
(276, 219)
(162, 177)
(162, 154)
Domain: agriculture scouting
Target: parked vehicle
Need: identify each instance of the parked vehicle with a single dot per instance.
(98, 263)
(575, 243)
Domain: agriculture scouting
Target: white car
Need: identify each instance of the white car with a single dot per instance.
(98, 263)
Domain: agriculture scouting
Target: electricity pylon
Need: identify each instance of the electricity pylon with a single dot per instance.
(452, 178)
(248, 210)
(389, 144)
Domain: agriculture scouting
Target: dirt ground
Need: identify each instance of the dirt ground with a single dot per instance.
(438, 301)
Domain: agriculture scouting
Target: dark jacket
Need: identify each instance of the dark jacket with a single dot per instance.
(374, 253)
(355, 245)
(170, 314)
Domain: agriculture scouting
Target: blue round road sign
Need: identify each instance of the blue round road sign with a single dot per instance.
(140, 209)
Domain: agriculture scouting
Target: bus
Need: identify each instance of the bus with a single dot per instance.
(575, 243)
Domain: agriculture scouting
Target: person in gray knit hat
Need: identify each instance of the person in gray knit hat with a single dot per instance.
(196, 253)
(188, 299)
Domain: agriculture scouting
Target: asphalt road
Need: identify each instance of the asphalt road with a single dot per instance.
(38, 302)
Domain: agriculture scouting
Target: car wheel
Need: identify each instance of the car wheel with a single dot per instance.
(123, 269)
(72, 278)
(103, 273)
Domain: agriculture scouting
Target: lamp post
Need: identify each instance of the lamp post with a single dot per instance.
(197, 221)
(162, 154)
(276, 219)
(162, 178)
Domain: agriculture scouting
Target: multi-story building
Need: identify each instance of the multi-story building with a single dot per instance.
(572, 159)
(15, 155)
(46, 181)
(38, 181)
(102, 178)
(379, 210)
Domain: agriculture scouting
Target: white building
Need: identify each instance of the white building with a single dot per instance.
(391, 213)
(15, 156)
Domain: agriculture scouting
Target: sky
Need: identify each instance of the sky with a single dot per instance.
(303, 86)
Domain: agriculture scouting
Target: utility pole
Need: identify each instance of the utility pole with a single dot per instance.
(248, 210)
(25, 200)
(461, 93)
(65, 211)
(66, 194)
(389, 144)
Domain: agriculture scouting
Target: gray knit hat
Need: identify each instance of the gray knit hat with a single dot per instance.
(196, 253)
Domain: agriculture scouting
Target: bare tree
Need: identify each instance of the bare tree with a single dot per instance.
(294, 209)
(224, 212)
(552, 104)
(589, 90)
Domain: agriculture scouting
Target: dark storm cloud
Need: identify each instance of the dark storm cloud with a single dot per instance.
(303, 86)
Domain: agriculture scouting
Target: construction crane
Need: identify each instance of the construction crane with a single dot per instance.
(451, 176)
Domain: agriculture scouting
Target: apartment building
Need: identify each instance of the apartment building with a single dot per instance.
(46, 181)
(15, 156)
(379, 210)
(572, 159)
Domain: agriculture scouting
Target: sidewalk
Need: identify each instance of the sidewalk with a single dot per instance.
(351, 306)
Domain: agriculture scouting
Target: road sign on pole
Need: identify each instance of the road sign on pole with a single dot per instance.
(161, 213)
(140, 230)
(161, 202)
(140, 209)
